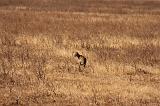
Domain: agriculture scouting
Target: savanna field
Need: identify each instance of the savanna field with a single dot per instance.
(119, 38)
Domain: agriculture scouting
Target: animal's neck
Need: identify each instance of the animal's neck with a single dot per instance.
(78, 56)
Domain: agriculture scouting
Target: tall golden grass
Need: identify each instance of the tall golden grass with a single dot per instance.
(120, 39)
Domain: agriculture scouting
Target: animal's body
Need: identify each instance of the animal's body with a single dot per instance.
(81, 60)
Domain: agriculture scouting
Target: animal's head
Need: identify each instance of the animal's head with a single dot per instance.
(76, 54)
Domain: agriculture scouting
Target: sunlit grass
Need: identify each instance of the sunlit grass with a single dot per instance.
(121, 46)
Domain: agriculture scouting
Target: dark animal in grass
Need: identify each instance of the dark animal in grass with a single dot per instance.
(81, 60)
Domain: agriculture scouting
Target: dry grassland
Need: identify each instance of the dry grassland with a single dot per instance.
(121, 40)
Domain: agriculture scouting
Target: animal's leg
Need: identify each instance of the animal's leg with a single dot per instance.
(84, 65)
(80, 68)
